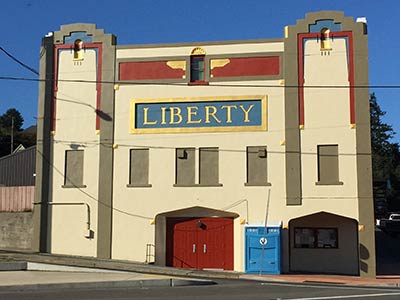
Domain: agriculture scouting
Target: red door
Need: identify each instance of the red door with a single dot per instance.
(203, 243)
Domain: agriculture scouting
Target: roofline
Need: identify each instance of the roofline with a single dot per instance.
(188, 44)
(16, 153)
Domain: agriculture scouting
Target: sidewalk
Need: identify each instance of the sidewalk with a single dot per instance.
(380, 281)
(140, 274)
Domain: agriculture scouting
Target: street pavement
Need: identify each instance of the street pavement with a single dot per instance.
(224, 290)
(57, 272)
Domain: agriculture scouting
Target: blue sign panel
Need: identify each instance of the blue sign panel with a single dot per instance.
(201, 114)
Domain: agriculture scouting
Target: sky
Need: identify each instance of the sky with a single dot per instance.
(24, 23)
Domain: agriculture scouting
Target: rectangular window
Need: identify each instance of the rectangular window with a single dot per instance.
(73, 175)
(197, 68)
(316, 238)
(208, 166)
(139, 168)
(185, 166)
(328, 165)
(257, 167)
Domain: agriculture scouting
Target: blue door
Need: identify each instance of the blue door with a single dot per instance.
(263, 250)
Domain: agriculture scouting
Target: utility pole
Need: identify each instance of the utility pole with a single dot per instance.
(12, 135)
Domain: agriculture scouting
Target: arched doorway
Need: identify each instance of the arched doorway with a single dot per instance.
(195, 237)
(324, 243)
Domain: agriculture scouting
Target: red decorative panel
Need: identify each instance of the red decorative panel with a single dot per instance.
(249, 66)
(146, 70)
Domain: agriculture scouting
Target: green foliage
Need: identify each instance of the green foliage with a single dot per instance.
(6, 119)
(385, 155)
(20, 137)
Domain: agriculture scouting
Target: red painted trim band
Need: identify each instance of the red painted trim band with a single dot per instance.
(300, 43)
(99, 48)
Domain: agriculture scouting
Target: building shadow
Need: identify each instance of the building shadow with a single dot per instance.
(387, 253)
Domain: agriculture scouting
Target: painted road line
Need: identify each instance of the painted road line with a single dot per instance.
(347, 296)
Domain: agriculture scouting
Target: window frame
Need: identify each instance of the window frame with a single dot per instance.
(321, 163)
(261, 152)
(201, 165)
(67, 181)
(201, 81)
(133, 184)
(196, 165)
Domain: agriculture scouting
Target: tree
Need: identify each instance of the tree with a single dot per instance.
(6, 119)
(27, 139)
(385, 156)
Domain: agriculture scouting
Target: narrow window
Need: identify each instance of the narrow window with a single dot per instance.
(257, 167)
(139, 168)
(326, 238)
(197, 68)
(328, 165)
(208, 166)
(73, 175)
(185, 166)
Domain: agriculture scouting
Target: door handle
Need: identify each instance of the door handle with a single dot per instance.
(204, 248)
(194, 248)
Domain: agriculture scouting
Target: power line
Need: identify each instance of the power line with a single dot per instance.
(18, 61)
(184, 84)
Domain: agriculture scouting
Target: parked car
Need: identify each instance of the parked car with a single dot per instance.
(390, 225)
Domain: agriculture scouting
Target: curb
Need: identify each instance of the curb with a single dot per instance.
(142, 283)
(13, 266)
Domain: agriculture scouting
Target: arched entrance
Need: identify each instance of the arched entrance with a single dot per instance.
(324, 243)
(195, 237)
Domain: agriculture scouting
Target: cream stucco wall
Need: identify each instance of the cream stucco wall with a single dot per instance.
(327, 122)
(165, 51)
(74, 129)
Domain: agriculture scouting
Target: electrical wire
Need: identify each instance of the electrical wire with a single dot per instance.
(18, 61)
(212, 84)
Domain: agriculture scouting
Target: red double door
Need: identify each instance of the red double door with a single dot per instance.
(203, 243)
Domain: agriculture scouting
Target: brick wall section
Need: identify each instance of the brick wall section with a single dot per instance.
(16, 230)
(16, 198)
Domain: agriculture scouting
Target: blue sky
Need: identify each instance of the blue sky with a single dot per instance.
(24, 23)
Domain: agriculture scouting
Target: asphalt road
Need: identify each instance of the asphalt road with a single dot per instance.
(232, 290)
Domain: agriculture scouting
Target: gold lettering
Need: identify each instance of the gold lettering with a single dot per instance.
(145, 118)
(163, 109)
(192, 111)
(246, 112)
(212, 114)
(175, 112)
(228, 112)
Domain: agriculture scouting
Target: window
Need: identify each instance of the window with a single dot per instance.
(197, 68)
(139, 168)
(328, 165)
(257, 168)
(208, 166)
(315, 238)
(186, 167)
(73, 175)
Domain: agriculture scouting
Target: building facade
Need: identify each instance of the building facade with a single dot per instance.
(196, 148)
